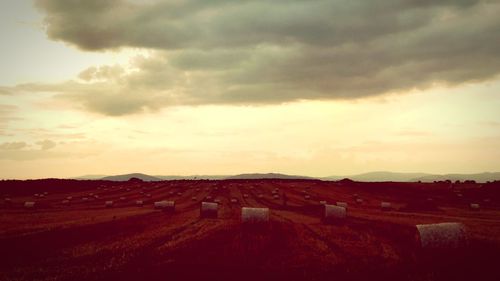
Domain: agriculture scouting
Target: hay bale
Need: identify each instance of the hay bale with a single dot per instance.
(139, 203)
(123, 198)
(108, 204)
(359, 201)
(194, 198)
(208, 197)
(29, 205)
(474, 206)
(245, 195)
(165, 205)
(85, 199)
(254, 215)
(66, 202)
(179, 193)
(260, 196)
(69, 198)
(276, 196)
(208, 210)
(307, 197)
(385, 206)
(217, 201)
(171, 192)
(41, 195)
(322, 202)
(148, 195)
(342, 204)
(449, 235)
(334, 213)
(96, 196)
(234, 200)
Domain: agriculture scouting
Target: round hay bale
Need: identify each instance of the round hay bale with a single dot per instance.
(171, 192)
(307, 197)
(108, 204)
(148, 195)
(66, 202)
(41, 195)
(194, 198)
(254, 215)
(208, 210)
(217, 201)
(139, 203)
(449, 235)
(260, 196)
(334, 213)
(208, 197)
(96, 196)
(342, 204)
(276, 196)
(123, 198)
(359, 201)
(179, 193)
(474, 206)
(385, 206)
(85, 199)
(165, 205)
(245, 195)
(29, 205)
(69, 198)
(322, 202)
(234, 200)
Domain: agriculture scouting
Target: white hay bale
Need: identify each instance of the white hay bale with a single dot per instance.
(96, 196)
(66, 202)
(359, 201)
(41, 195)
(108, 204)
(69, 198)
(342, 204)
(85, 199)
(474, 206)
(139, 202)
(274, 192)
(441, 235)
(29, 204)
(252, 215)
(322, 202)
(128, 189)
(234, 200)
(385, 206)
(45, 193)
(276, 196)
(194, 198)
(487, 200)
(208, 210)
(165, 205)
(334, 212)
(217, 201)
(460, 195)
(123, 198)
(307, 197)
(197, 189)
(91, 194)
(245, 195)
(148, 195)
(7, 200)
(179, 193)
(171, 192)
(260, 195)
(35, 195)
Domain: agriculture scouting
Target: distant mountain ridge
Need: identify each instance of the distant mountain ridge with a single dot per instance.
(267, 176)
(378, 176)
(414, 177)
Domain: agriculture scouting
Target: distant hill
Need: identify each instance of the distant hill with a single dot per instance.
(126, 177)
(414, 177)
(89, 177)
(382, 176)
(267, 176)
(198, 177)
(480, 177)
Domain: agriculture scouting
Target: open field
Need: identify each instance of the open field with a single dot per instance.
(84, 240)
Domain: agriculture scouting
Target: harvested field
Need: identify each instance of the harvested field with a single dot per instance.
(85, 240)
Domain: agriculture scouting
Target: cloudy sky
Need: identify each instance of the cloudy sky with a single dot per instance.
(311, 87)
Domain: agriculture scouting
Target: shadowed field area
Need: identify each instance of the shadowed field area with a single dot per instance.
(81, 239)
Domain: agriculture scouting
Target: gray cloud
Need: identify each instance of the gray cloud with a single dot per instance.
(12, 145)
(46, 144)
(251, 52)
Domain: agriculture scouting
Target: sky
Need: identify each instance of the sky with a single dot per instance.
(185, 87)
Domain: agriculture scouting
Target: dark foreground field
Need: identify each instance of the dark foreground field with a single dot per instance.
(86, 241)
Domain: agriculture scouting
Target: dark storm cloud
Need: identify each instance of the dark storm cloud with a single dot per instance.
(273, 51)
